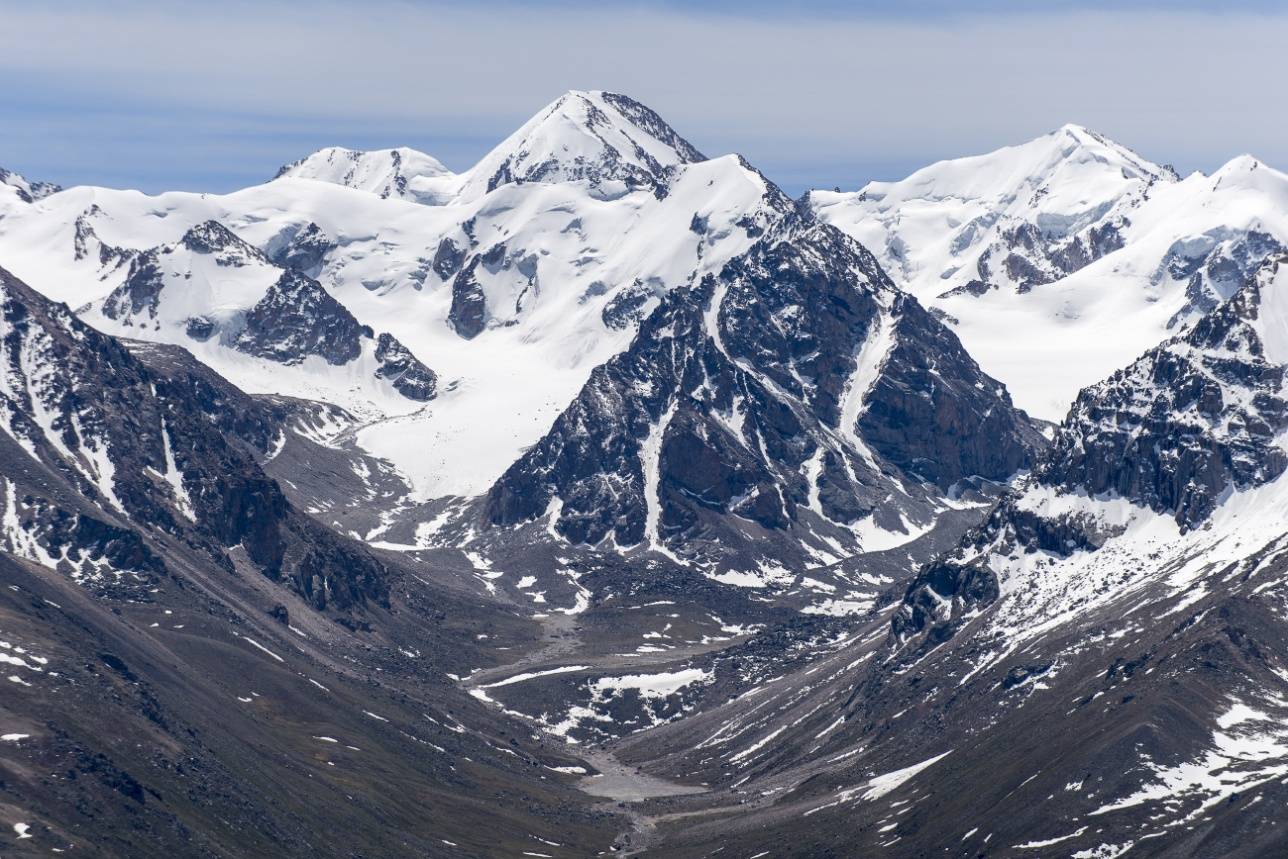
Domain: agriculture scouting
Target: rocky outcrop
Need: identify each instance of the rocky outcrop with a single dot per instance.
(212, 237)
(25, 189)
(468, 314)
(297, 318)
(306, 251)
(401, 369)
(1190, 419)
(140, 293)
(447, 259)
(1213, 266)
(1026, 256)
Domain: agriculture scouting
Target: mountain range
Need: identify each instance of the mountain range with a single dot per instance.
(603, 497)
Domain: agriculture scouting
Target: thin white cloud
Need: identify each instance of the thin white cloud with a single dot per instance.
(1197, 88)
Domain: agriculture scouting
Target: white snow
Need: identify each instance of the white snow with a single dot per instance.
(519, 678)
(259, 646)
(879, 786)
(930, 230)
(400, 172)
(867, 369)
(650, 456)
(570, 245)
(655, 685)
(174, 477)
(1238, 760)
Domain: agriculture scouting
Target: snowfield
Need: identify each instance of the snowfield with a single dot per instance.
(1046, 341)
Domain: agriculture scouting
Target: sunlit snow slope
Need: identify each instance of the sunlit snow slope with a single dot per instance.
(510, 281)
(1062, 259)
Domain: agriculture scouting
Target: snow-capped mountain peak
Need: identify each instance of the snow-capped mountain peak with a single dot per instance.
(1065, 172)
(400, 172)
(1009, 218)
(1249, 173)
(1035, 251)
(24, 189)
(606, 139)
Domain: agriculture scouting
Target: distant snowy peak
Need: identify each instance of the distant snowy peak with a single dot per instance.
(1057, 171)
(605, 140)
(610, 141)
(1248, 173)
(1019, 217)
(23, 188)
(401, 173)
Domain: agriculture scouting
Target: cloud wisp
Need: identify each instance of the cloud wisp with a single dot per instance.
(815, 97)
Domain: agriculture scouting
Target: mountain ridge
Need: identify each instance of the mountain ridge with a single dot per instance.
(603, 498)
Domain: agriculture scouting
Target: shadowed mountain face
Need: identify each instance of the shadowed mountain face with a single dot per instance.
(601, 499)
(744, 403)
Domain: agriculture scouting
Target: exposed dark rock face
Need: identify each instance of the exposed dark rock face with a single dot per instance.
(122, 454)
(1190, 420)
(628, 307)
(200, 328)
(728, 407)
(86, 243)
(141, 291)
(409, 376)
(297, 318)
(1032, 257)
(644, 118)
(643, 171)
(927, 416)
(447, 259)
(947, 589)
(1214, 266)
(306, 251)
(971, 287)
(468, 315)
(212, 237)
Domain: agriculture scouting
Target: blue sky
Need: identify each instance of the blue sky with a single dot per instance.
(212, 97)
